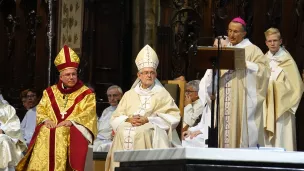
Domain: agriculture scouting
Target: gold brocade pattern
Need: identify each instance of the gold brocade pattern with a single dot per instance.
(40, 155)
(61, 152)
(61, 58)
(84, 114)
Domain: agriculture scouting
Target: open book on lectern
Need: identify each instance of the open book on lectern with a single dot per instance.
(230, 58)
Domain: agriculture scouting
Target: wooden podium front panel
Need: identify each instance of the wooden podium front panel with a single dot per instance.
(231, 58)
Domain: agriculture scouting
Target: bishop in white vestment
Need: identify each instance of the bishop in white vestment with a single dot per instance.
(242, 94)
(146, 115)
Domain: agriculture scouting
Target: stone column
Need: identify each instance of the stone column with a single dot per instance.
(146, 16)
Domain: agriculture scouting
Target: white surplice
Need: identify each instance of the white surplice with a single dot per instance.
(11, 142)
(103, 141)
(28, 125)
(192, 112)
(205, 122)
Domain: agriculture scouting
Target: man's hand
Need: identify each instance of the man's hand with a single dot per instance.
(187, 100)
(194, 134)
(49, 124)
(66, 123)
(137, 120)
(185, 134)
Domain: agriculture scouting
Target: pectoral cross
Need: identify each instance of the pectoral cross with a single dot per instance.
(62, 114)
(146, 99)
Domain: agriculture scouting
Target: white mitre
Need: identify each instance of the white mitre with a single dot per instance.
(147, 57)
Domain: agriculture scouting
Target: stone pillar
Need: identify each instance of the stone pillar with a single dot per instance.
(146, 16)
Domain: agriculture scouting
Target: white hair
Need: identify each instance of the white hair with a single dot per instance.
(194, 84)
(117, 87)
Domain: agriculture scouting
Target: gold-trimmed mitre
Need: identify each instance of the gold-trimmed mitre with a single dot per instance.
(66, 58)
(147, 57)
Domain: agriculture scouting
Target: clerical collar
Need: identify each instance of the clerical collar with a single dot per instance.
(278, 56)
(112, 108)
(277, 53)
(244, 43)
(76, 87)
(146, 89)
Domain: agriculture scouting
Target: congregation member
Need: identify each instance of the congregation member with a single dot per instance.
(285, 90)
(147, 115)
(104, 138)
(66, 121)
(11, 142)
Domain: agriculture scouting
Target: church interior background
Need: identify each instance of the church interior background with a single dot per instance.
(107, 35)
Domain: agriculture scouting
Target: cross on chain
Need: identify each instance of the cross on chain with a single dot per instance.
(146, 99)
(62, 114)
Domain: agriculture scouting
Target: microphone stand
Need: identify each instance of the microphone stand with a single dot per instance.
(213, 131)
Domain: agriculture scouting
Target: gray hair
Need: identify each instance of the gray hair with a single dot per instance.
(194, 84)
(117, 87)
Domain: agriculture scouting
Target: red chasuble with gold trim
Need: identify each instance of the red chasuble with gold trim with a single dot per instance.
(62, 148)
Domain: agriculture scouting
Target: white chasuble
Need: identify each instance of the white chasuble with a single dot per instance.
(242, 94)
(163, 115)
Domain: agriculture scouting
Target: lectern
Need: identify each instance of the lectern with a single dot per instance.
(214, 58)
(230, 58)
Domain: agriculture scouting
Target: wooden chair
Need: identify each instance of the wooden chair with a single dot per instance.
(177, 88)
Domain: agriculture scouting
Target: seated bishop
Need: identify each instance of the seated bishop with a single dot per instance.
(147, 115)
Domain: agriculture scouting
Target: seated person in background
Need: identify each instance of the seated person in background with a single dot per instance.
(146, 116)
(285, 90)
(28, 123)
(11, 141)
(193, 105)
(23, 97)
(196, 136)
(103, 141)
